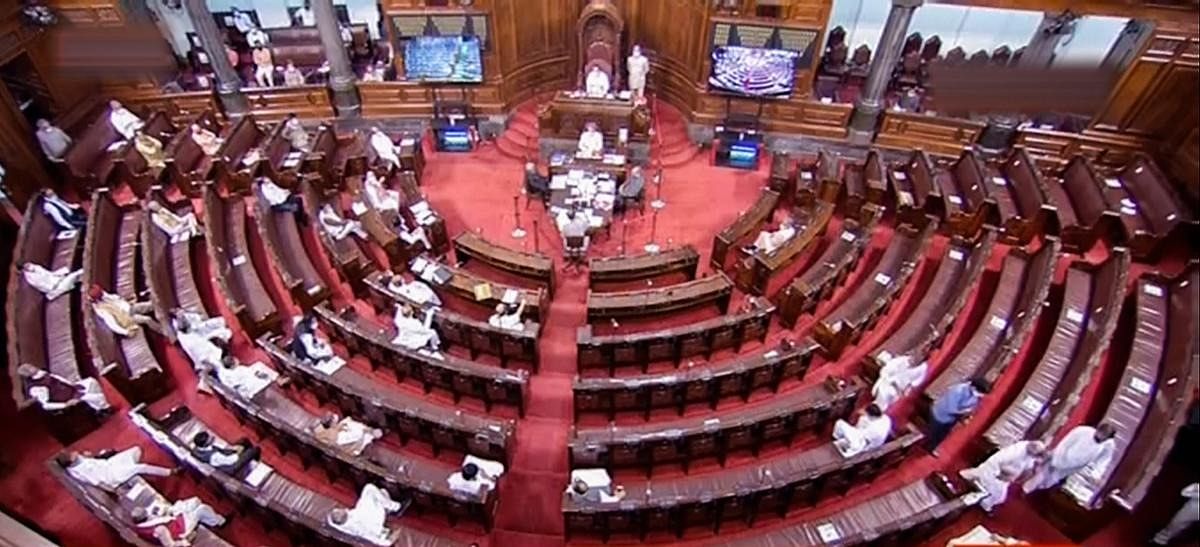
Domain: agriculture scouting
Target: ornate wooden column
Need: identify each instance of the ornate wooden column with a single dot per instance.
(228, 83)
(341, 74)
(870, 103)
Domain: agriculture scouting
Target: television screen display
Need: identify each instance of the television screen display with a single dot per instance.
(454, 59)
(757, 72)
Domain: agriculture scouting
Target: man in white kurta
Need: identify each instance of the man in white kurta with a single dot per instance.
(337, 227)
(380, 198)
(177, 227)
(597, 83)
(248, 380)
(384, 147)
(768, 241)
(507, 317)
(1084, 447)
(591, 142)
(125, 122)
(119, 315)
(470, 480)
(1184, 518)
(638, 66)
(111, 472)
(213, 328)
(416, 290)
(242, 21)
(367, 518)
(54, 283)
(346, 434)
(66, 215)
(413, 333)
(1006, 466)
(868, 433)
(896, 378)
(87, 390)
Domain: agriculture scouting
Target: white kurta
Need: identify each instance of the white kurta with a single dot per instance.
(380, 198)
(897, 378)
(472, 488)
(53, 284)
(59, 211)
(125, 122)
(210, 328)
(996, 473)
(383, 145)
(115, 312)
(178, 227)
(337, 227)
(638, 66)
(867, 433)
(368, 517)
(412, 333)
(274, 194)
(1075, 452)
(355, 436)
(316, 348)
(416, 290)
(247, 380)
(110, 473)
(597, 83)
(510, 321)
(93, 394)
(242, 22)
(591, 143)
(767, 242)
(199, 349)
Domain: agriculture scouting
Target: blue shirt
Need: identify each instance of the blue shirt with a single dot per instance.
(958, 400)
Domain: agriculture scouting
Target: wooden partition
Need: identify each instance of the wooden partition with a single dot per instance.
(311, 102)
(934, 134)
(413, 99)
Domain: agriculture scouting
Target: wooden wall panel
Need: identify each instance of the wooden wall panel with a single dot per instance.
(936, 135)
(534, 39)
(1147, 98)
(409, 99)
(673, 33)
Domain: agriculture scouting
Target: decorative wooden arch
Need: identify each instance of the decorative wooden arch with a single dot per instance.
(599, 29)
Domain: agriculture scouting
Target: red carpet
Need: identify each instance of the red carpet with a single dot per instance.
(476, 191)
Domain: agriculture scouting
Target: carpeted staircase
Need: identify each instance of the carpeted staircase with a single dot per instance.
(520, 139)
(670, 143)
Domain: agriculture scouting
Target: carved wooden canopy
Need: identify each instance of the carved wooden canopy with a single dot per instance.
(599, 28)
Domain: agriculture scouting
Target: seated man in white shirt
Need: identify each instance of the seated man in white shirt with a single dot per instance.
(53, 284)
(368, 518)
(416, 290)
(411, 236)
(591, 142)
(123, 121)
(283, 200)
(257, 38)
(896, 378)
(108, 472)
(213, 328)
(868, 433)
(304, 16)
(413, 333)
(338, 227)
(53, 392)
(576, 225)
(205, 344)
(295, 133)
(508, 317)
(229, 459)
(177, 227)
(174, 525)
(249, 380)
(68, 216)
(120, 316)
(378, 196)
(471, 480)
(597, 83)
(768, 241)
(384, 147)
(346, 434)
(307, 346)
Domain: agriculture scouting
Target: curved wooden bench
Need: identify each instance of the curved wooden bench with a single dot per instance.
(462, 284)
(863, 183)
(110, 262)
(335, 158)
(617, 269)
(229, 166)
(847, 322)
(746, 492)
(131, 168)
(536, 266)
(229, 253)
(456, 328)
(714, 289)
(1091, 305)
(283, 237)
(817, 178)
(1018, 195)
(188, 167)
(1083, 214)
(459, 376)
(169, 270)
(280, 163)
(926, 326)
(702, 384)
(361, 396)
(754, 272)
(282, 504)
(963, 194)
(289, 425)
(345, 254)
(831, 269)
(687, 439)
(916, 194)
(1151, 207)
(703, 337)
(745, 224)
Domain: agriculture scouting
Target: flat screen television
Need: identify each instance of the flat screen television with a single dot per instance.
(445, 59)
(752, 71)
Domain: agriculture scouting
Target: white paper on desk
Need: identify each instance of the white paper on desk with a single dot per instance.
(595, 221)
(624, 95)
(510, 296)
(826, 100)
(997, 322)
(771, 354)
(419, 264)
(558, 182)
(409, 141)
(258, 474)
(1128, 211)
(1140, 385)
(594, 477)
(1112, 183)
(847, 236)
(359, 208)
(882, 278)
(806, 175)
(1153, 290)
(956, 254)
(239, 260)
(955, 200)
(605, 497)
(606, 185)
(330, 365)
(899, 175)
(65, 234)
(1126, 202)
(1074, 315)
(828, 532)
(202, 57)
(575, 174)
(420, 207)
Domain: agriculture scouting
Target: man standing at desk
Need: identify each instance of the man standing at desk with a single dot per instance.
(597, 84)
(591, 142)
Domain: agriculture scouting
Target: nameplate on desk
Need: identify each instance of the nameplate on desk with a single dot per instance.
(847, 236)
(1139, 385)
(955, 199)
(238, 260)
(1031, 404)
(806, 175)
(330, 365)
(899, 175)
(1130, 211)
(771, 354)
(882, 278)
(956, 254)
(359, 208)
(1112, 183)
(1153, 290)
(828, 532)
(997, 322)
(999, 181)
(1074, 315)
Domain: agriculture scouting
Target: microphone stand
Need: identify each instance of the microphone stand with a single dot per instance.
(535, 237)
(658, 202)
(518, 232)
(624, 233)
(653, 247)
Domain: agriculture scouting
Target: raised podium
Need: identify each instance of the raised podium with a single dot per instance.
(566, 114)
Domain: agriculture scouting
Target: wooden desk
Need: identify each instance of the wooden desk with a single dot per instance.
(745, 223)
(564, 117)
(683, 260)
(713, 289)
(538, 267)
(754, 272)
